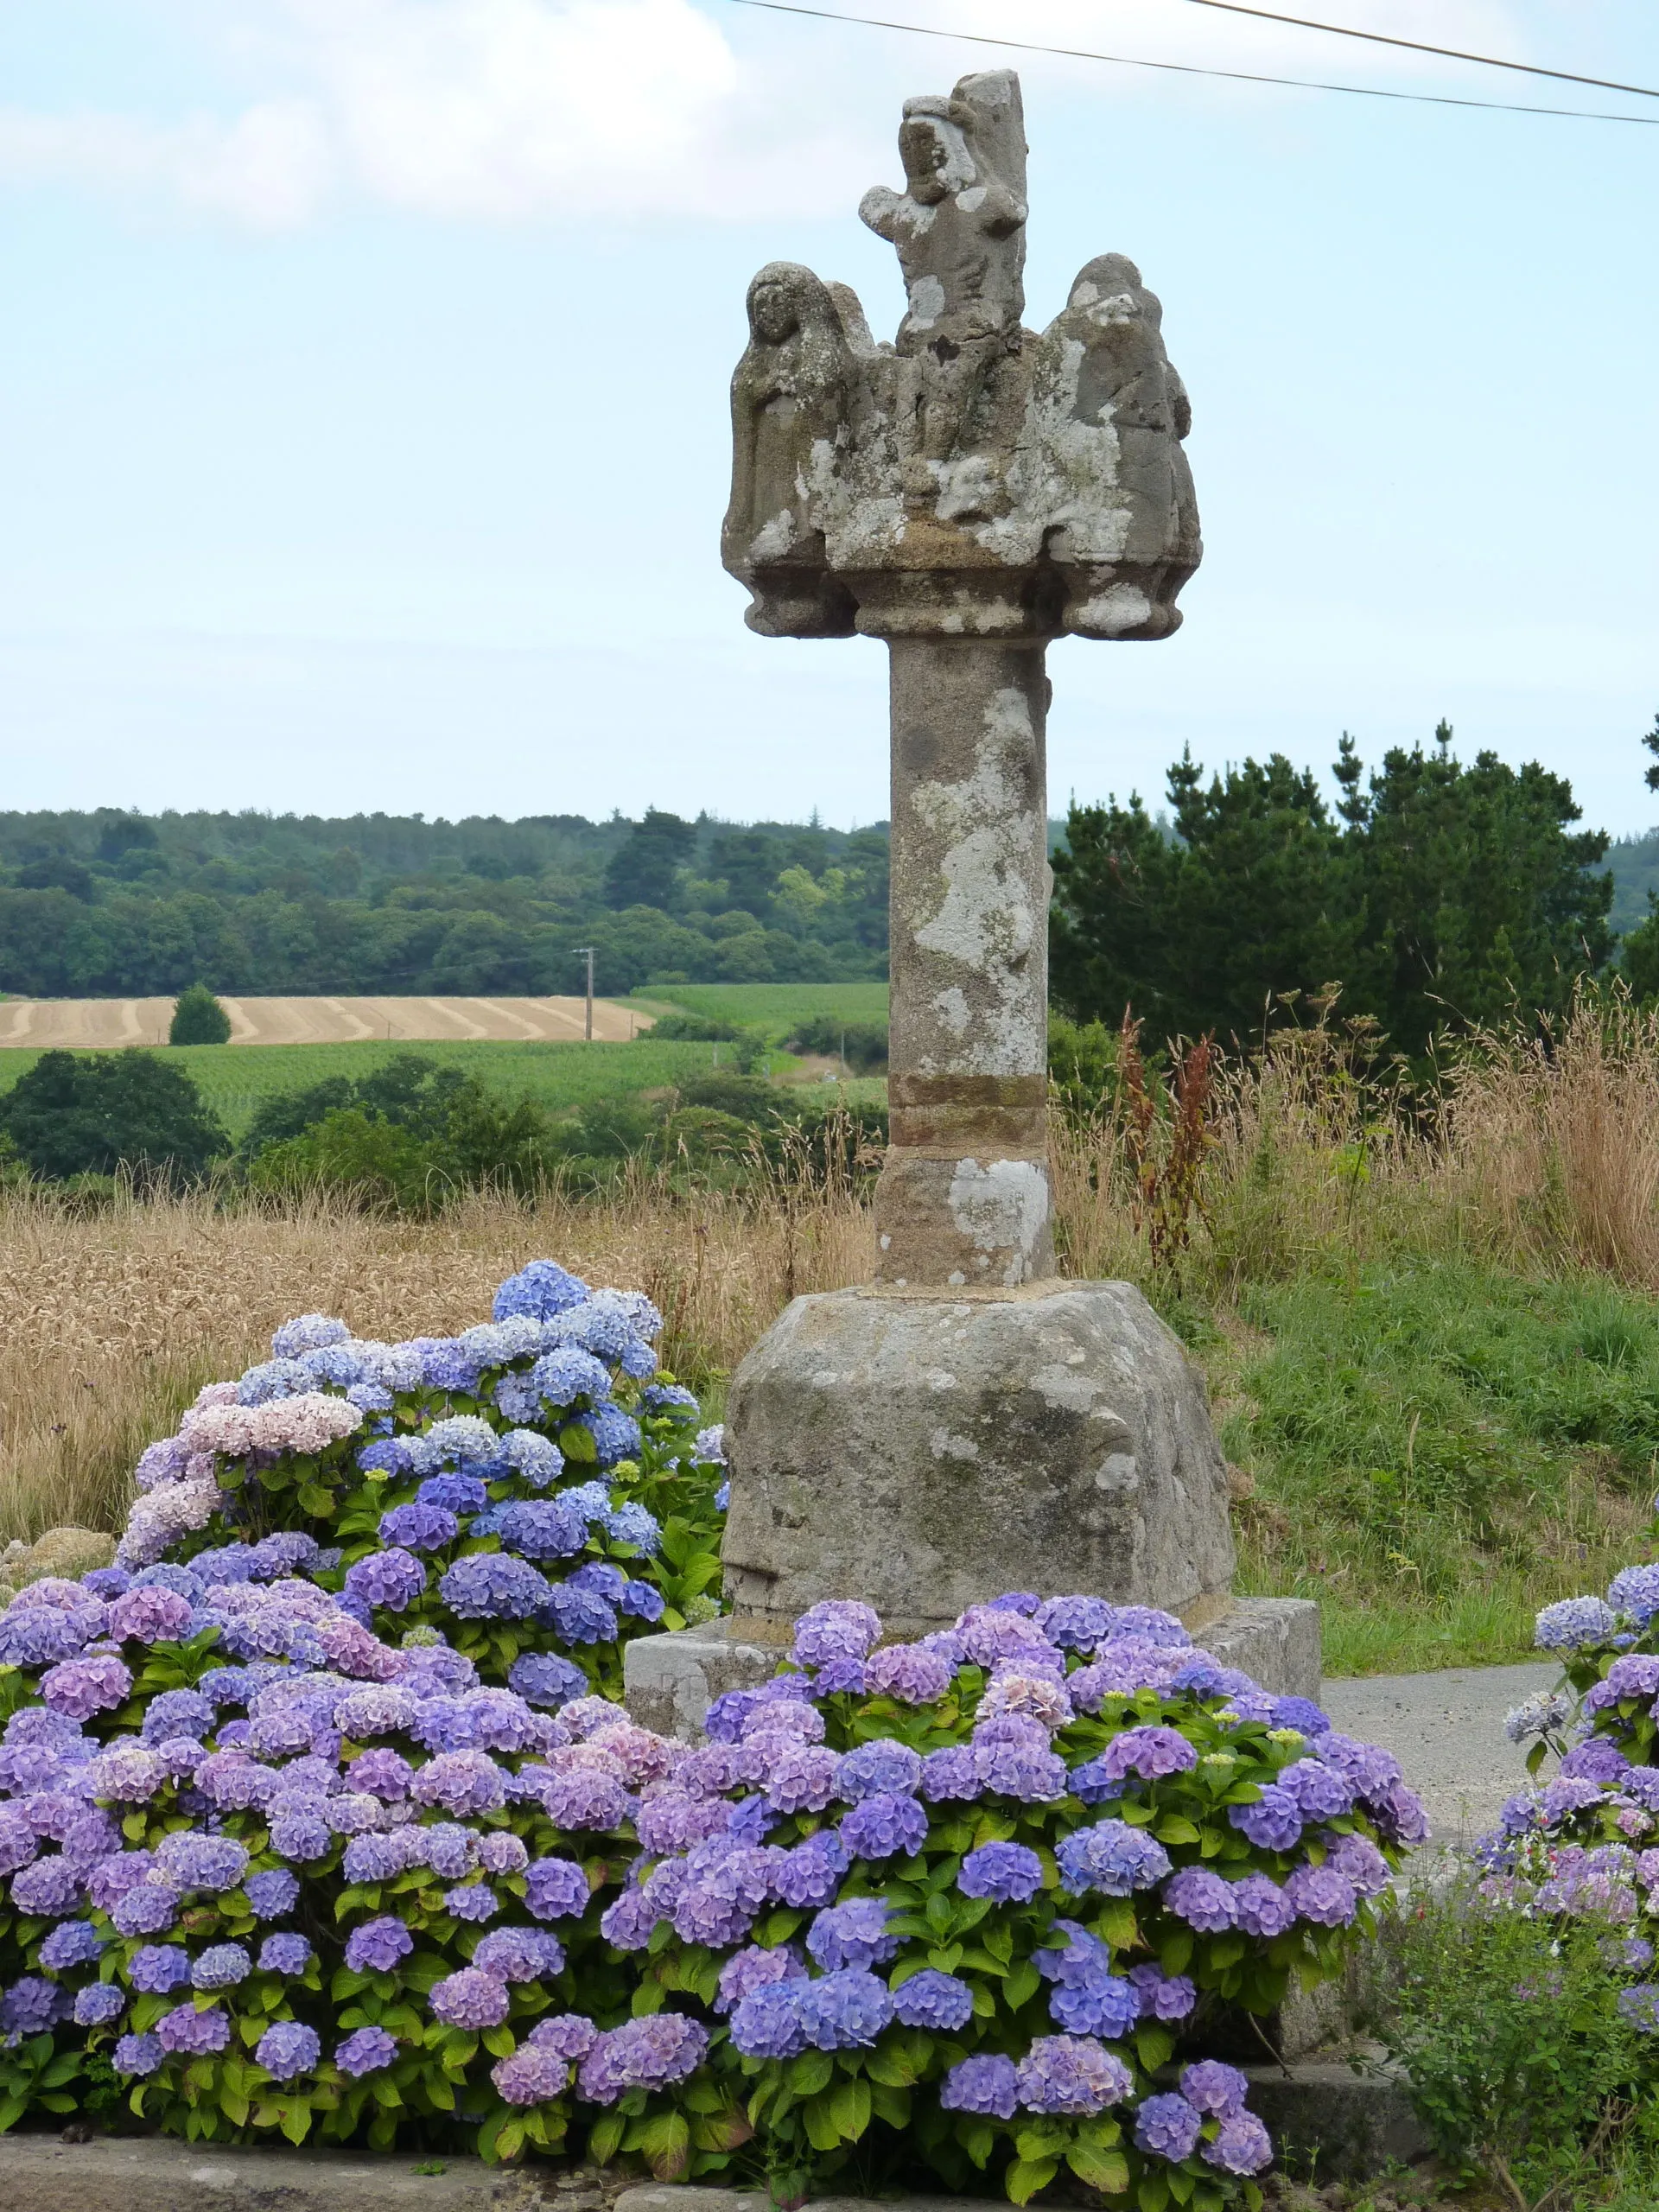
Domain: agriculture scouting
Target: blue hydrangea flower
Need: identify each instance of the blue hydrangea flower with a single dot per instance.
(542, 1678)
(287, 2048)
(393, 1579)
(1110, 1856)
(419, 1527)
(540, 1527)
(494, 1586)
(541, 1290)
(1008, 1873)
(878, 1826)
(285, 1954)
(853, 1934)
(1571, 1622)
(934, 2000)
(845, 2010)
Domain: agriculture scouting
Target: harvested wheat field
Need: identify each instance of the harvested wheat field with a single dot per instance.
(107, 1024)
(109, 1322)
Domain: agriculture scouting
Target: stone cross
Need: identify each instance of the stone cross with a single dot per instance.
(967, 494)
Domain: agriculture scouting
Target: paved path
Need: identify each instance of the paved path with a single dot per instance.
(1447, 1729)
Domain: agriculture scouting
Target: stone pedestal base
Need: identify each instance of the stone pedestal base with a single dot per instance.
(672, 1681)
(925, 1451)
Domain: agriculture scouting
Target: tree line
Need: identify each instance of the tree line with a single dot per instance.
(107, 904)
(1438, 893)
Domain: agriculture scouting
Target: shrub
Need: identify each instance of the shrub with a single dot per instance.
(347, 1846)
(306, 1945)
(198, 1019)
(863, 1044)
(96, 1113)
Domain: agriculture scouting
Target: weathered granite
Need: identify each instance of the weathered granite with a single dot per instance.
(1337, 2117)
(966, 493)
(925, 1453)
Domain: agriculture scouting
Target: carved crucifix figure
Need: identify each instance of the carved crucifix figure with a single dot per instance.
(966, 495)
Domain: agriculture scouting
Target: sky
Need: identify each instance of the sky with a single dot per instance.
(363, 436)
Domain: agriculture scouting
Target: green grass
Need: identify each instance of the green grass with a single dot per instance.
(775, 1008)
(1437, 1447)
(233, 1079)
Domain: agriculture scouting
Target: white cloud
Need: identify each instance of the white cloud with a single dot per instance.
(571, 110)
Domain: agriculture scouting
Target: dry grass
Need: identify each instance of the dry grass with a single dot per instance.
(109, 1322)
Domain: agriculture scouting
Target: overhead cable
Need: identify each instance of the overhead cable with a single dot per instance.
(1187, 68)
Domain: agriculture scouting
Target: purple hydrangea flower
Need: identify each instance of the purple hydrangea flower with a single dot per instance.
(1148, 1752)
(1243, 2145)
(98, 2004)
(985, 2083)
(556, 1889)
(882, 1767)
(30, 2005)
(878, 1827)
(844, 2010)
(520, 1954)
(158, 1969)
(950, 1775)
(1163, 1997)
(1006, 1873)
(545, 1680)
(420, 1526)
(1168, 2128)
(1202, 1899)
(377, 1945)
(1320, 1893)
(1262, 1907)
(71, 1943)
(809, 1875)
(1274, 1822)
(754, 1968)
(1110, 1856)
(494, 1586)
(1071, 2075)
(137, 2054)
(270, 1895)
(193, 2034)
(1571, 1623)
(147, 1909)
(221, 1965)
(1211, 2087)
(649, 2053)
(471, 1998)
(855, 1934)
(836, 1628)
(288, 2049)
(532, 2074)
(906, 1672)
(768, 2023)
(473, 1901)
(934, 2000)
(365, 2050)
(81, 1688)
(285, 1954)
(393, 1579)
(192, 1861)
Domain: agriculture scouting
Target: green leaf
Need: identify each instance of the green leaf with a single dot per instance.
(1023, 2180)
(321, 1502)
(809, 2074)
(849, 2109)
(666, 2142)
(605, 2137)
(500, 2042)
(1106, 2171)
(1175, 1827)
(1020, 1987)
(1115, 1924)
(821, 2132)
(296, 2122)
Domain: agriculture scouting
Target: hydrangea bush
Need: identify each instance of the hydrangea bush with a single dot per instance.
(315, 1814)
(958, 1901)
(290, 1823)
(1585, 1847)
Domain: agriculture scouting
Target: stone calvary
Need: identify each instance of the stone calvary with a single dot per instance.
(968, 1422)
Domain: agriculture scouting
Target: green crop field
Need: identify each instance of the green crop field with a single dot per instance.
(775, 1008)
(234, 1079)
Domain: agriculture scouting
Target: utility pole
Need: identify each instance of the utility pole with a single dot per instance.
(587, 949)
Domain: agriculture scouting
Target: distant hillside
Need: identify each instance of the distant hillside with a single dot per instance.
(1634, 863)
(112, 905)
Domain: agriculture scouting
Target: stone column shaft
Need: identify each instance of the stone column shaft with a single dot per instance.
(964, 1198)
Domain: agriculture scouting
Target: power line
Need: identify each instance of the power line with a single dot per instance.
(1417, 46)
(1188, 68)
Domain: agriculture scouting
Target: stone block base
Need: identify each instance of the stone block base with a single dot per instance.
(925, 1451)
(672, 1681)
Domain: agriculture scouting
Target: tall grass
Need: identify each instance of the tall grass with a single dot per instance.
(110, 1321)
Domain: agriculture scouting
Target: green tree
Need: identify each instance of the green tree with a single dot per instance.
(79, 1114)
(198, 1018)
(1194, 931)
(1439, 894)
(1474, 895)
(643, 872)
